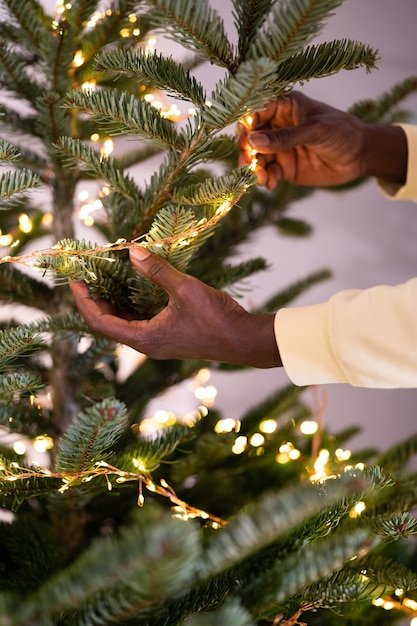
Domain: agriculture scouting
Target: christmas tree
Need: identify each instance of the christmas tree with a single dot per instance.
(171, 519)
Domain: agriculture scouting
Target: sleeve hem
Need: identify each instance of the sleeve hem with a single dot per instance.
(409, 190)
(305, 346)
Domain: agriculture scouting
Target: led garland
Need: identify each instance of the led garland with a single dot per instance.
(181, 509)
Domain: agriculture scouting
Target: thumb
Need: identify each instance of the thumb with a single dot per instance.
(271, 141)
(156, 269)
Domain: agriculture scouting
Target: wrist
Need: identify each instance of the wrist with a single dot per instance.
(258, 343)
(385, 153)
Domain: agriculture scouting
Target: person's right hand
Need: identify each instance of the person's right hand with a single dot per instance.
(199, 322)
(308, 142)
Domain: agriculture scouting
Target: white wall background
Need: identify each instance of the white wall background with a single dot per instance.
(362, 237)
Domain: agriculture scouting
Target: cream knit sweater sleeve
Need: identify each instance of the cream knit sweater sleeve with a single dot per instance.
(367, 338)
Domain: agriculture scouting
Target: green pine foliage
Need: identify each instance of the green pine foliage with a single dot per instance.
(206, 520)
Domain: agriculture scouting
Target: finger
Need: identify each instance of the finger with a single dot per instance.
(269, 142)
(98, 316)
(156, 269)
(80, 292)
(86, 304)
(265, 115)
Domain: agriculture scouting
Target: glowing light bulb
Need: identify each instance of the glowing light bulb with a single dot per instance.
(282, 458)
(78, 58)
(19, 447)
(240, 445)
(309, 427)
(25, 223)
(343, 455)
(107, 148)
(6, 240)
(268, 426)
(89, 85)
(357, 510)
(42, 443)
(257, 440)
(226, 426)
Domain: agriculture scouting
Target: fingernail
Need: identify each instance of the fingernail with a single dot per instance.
(139, 253)
(258, 140)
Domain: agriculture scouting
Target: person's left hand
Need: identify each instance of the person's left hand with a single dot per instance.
(199, 322)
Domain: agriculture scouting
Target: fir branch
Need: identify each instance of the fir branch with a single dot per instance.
(196, 26)
(33, 559)
(16, 286)
(150, 560)
(107, 30)
(376, 110)
(171, 224)
(221, 148)
(17, 342)
(230, 613)
(51, 120)
(290, 293)
(60, 54)
(383, 571)
(80, 12)
(24, 419)
(123, 216)
(123, 113)
(18, 182)
(249, 16)
(91, 435)
(273, 516)
(28, 159)
(306, 566)
(216, 190)
(8, 152)
(150, 452)
(225, 275)
(13, 491)
(33, 31)
(291, 24)
(275, 406)
(101, 351)
(106, 274)
(74, 150)
(163, 73)
(248, 89)
(392, 526)
(16, 122)
(67, 322)
(13, 74)
(398, 455)
(340, 587)
(292, 227)
(14, 385)
(135, 156)
(325, 59)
